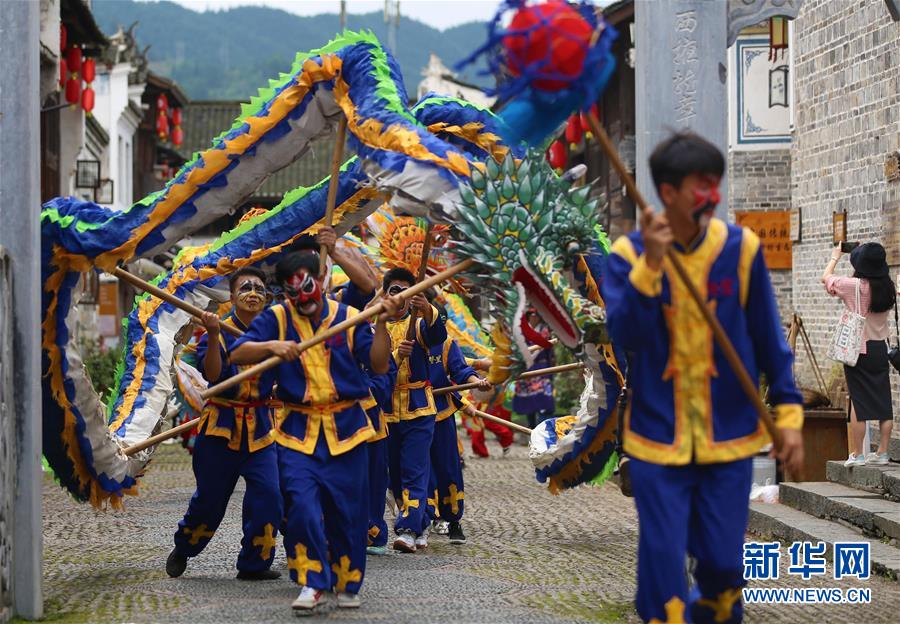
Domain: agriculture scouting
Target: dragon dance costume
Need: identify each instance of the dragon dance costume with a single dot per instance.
(411, 422)
(234, 440)
(688, 428)
(320, 433)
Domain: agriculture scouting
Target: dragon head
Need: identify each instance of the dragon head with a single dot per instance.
(525, 225)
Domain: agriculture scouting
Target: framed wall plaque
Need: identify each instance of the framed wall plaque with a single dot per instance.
(774, 230)
(797, 225)
(839, 227)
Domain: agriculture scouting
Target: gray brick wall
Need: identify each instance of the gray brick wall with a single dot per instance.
(847, 120)
(761, 180)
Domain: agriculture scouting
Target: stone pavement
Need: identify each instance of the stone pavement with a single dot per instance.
(531, 557)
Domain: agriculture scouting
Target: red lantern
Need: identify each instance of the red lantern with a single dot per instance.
(62, 37)
(73, 59)
(556, 154)
(89, 70)
(551, 40)
(162, 103)
(73, 90)
(177, 135)
(176, 116)
(162, 126)
(63, 73)
(574, 132)
(87, 99)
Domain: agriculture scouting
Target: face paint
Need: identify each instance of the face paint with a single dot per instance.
(251, 295)
(705, 201)
(302, 288)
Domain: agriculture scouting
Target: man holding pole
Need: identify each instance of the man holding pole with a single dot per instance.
(322, 428)
(690, 430)
(234, 440)
(411, 418)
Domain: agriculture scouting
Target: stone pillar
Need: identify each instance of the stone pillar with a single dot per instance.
(680, 78)
(19, 234)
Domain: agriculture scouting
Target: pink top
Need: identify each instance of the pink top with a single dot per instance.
(876, 327)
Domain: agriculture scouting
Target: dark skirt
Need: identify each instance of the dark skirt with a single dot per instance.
(869, 383)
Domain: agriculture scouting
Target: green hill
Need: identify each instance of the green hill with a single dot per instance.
(229, 54)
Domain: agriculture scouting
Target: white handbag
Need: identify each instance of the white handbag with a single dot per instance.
(848, 336)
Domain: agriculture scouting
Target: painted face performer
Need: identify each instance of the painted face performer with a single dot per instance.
(321, 429)
(411, 418)
(448, 366)
(234, 440)
(689, 429)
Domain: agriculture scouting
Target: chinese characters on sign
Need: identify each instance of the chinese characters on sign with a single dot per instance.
(685, 67)
(851, 560)
(774, 231)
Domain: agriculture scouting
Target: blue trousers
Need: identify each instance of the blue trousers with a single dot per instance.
(447, 471)
(409, 444)
(378, 485)
(696, 509)
(217, 469)
(326, 502)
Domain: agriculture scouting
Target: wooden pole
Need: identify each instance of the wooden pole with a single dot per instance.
(423, 268)
(336, 160)
(552, 370)
(149, 288)
(306, 344)
(499, 421)
(748, 385)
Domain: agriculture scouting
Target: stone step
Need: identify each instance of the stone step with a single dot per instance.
(786, 524)
(893, 445)
(873, 515)
(878, 479)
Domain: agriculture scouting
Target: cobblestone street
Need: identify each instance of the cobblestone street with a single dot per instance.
(531, 557)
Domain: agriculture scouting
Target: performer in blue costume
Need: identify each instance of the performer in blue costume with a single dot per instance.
(357, 292)
(411, 417)
(382, 391)
(690, 431)
(448, 367)
(321, 429)
(234, 440)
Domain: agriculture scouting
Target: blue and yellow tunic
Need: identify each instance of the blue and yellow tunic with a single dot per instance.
(242, 410)
(685, 404)
(326, 391)
(448, 367)
(412, 392)
(383, 393)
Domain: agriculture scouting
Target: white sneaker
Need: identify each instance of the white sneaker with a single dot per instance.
(422, 541)
(405, 542)
(855, 460)
(441, 527)
(308, 599)
(346, 600)
(878, 459)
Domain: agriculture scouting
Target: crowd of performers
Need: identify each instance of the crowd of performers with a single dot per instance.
(321, 438)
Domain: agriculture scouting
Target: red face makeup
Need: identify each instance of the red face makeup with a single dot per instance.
(706, 198)
(302, 288)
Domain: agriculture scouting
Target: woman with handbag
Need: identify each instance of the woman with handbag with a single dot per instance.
(861, 344)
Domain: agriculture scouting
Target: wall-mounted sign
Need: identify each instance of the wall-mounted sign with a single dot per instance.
(892, 167)
(891, 231)
(797, 225)
(108, 308)
(839, 227)
(774, 231)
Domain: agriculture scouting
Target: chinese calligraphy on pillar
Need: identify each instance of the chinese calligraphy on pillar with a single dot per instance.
(685, 63)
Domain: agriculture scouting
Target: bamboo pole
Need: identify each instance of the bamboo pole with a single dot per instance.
(721, 338)
(551, 370)
(306, 344)
(149, 288)
(336, 160)
(499, 421)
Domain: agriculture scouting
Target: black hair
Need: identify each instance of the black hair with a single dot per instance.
(292, 263)
(682, 154)
(305, 242)
(397, 274)
(232, 280)
(884, 296)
